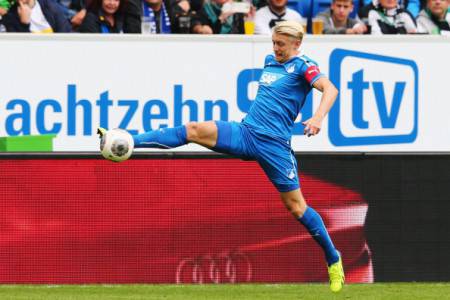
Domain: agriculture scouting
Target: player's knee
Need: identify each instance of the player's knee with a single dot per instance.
(192, 132)
(296, 207)
(296, 212)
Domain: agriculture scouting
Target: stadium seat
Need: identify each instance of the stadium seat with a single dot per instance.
(302, 6)
(356, 4)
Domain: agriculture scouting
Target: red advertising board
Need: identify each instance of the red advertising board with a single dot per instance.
(167, 221)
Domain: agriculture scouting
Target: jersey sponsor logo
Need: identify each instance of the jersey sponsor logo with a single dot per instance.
(267, 78)
(378, 99)
(246, 87)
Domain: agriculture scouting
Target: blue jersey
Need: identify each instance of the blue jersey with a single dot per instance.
(282, 91)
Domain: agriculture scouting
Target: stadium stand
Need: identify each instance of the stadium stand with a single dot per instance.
(310, 8)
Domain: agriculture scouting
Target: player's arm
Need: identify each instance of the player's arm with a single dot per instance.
(329, 94)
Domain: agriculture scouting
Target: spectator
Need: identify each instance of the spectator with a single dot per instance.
(388, 18)
(413, 6)
(37, 16)
(156, 17)
(80, 13)
(131, 15)
(434, 19)
(336, 20)
(70, 7)
(4, 6)
(104, 16)
(136, 15)
(363, 12)
(276, 11)
(183, 14)
(212, 19)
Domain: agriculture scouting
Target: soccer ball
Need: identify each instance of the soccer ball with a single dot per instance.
(116, 145)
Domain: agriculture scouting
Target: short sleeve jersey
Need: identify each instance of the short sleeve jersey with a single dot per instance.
(282, 91)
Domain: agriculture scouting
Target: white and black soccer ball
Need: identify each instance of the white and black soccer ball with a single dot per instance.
(117, 145)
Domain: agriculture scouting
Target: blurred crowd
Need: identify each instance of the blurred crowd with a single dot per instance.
(225, 16)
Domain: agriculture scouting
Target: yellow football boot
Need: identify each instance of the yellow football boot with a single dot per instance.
(337, 276)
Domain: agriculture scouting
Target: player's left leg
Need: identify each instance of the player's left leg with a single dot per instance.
(220, 136)
(306, 215)
(202, 133)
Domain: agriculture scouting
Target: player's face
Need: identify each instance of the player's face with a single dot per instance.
(284, 47)
(341, 9)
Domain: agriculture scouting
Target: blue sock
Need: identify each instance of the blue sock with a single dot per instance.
(315, 226)
(164, 138)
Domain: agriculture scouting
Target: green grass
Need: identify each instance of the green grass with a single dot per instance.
(395, 291)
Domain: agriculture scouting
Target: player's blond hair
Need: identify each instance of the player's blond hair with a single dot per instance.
(290, 28)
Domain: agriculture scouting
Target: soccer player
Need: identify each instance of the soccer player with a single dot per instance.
(265, 133)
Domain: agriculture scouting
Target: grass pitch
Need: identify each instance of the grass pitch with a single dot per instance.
(395, 291)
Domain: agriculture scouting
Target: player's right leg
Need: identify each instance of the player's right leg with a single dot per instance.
(311, 219)
(202, 133)
(279, 164)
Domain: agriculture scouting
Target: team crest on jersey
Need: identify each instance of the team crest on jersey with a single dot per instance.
(290, 69)
(268, 78)
(290, 173)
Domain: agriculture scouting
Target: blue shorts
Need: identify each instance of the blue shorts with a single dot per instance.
(275, 157)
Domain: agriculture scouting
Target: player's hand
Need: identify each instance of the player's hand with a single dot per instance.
(312, 126)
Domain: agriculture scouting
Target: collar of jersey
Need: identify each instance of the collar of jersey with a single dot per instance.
(286, 62)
